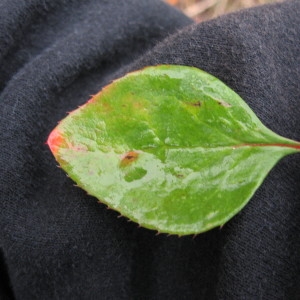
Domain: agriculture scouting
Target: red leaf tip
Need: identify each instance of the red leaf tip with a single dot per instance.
(54, 141)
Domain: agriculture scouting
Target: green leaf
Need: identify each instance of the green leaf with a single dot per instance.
(170, 147)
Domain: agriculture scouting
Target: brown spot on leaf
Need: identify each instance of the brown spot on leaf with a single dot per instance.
(129, 158)
(137, 105)
(223, 103)
(179, 175)
(196, 104)
(106, 106)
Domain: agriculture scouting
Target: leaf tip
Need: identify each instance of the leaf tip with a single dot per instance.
(54, 141)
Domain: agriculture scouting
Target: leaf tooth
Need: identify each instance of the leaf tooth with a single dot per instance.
(106, 206)
(91, 99)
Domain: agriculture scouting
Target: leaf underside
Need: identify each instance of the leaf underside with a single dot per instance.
(170, 147)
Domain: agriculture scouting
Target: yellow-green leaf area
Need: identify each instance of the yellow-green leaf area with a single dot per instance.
(170, 147)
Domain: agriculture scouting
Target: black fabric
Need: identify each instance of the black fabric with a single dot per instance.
(58, 243)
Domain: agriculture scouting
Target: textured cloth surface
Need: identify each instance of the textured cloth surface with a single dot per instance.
(58, 243)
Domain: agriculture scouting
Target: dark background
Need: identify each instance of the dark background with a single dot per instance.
(58, 243)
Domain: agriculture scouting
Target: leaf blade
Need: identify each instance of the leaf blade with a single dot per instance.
(158, 145)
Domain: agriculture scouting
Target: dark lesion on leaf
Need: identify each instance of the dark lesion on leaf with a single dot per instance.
(179, 175)
(129, 158)
(196, 104)
(223, 103)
